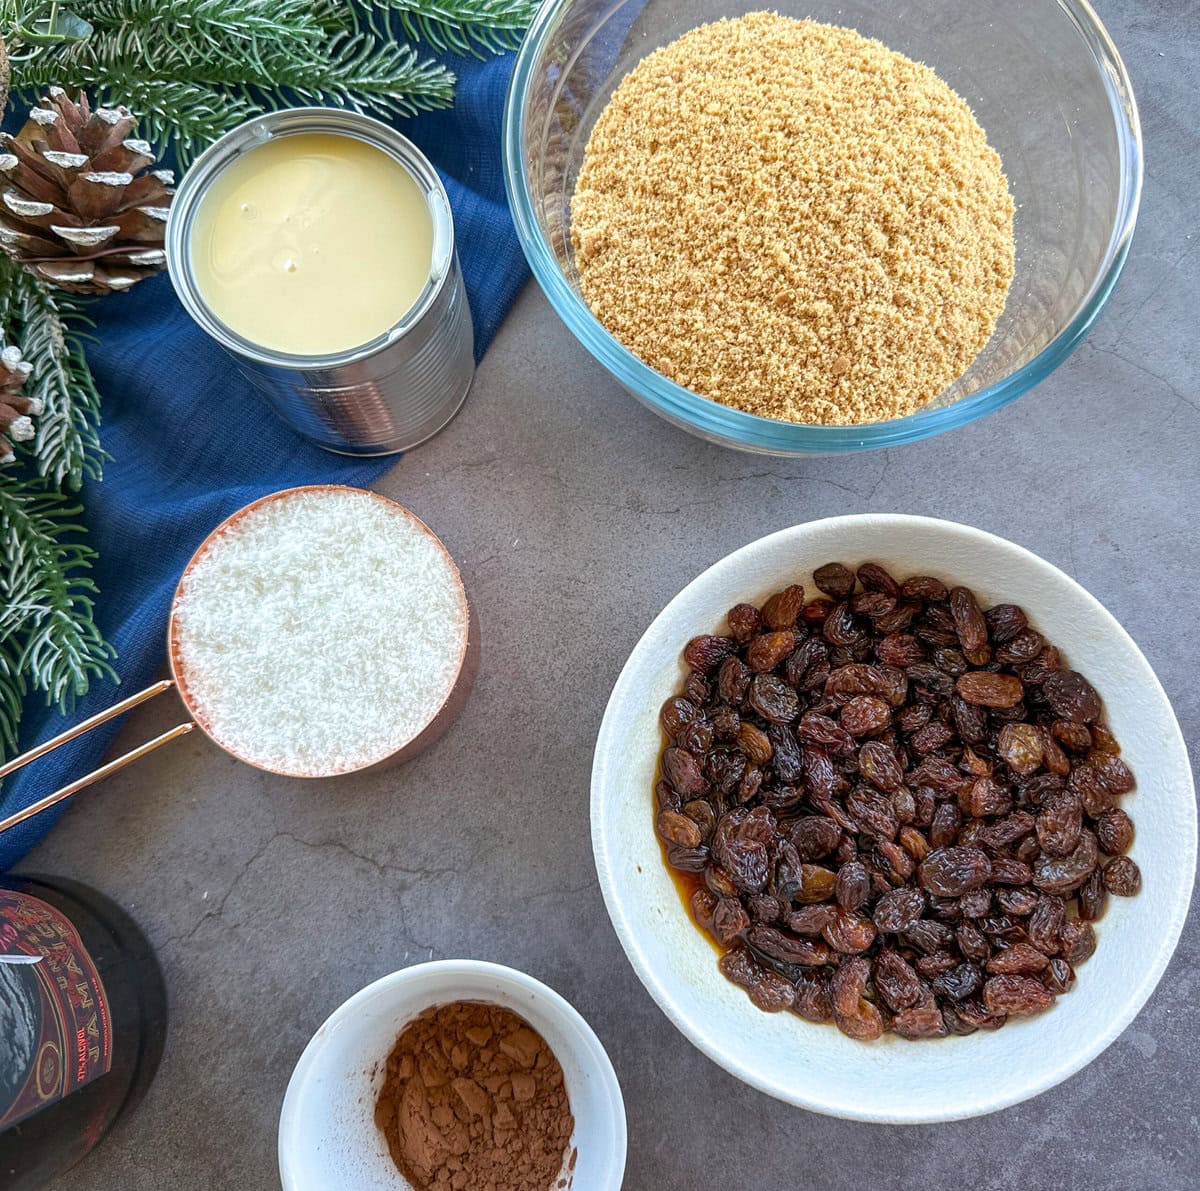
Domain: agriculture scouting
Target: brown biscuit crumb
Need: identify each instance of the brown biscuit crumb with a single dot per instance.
(794, 220)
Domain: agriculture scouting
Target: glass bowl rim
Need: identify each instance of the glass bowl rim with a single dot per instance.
(750, 431)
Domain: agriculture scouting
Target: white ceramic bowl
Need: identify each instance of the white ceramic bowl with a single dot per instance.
(328, 1140)
(816, 1066)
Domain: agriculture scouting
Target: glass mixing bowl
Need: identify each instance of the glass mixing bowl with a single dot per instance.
(1044, 80)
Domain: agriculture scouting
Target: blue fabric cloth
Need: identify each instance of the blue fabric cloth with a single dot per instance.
(191, 443)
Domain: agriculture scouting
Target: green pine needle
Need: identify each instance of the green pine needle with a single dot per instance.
(48, 634)
(465, 26)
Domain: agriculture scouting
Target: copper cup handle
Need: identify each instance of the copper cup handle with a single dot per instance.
(96, 775)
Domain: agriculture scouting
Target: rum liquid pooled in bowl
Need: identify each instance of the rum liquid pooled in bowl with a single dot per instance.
(792, 219)
(320, 632)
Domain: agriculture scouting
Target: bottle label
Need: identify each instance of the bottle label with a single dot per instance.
(55, 1027)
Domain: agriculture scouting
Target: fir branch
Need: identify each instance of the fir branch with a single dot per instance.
(49, 327)
(465, 26)
(48, 633)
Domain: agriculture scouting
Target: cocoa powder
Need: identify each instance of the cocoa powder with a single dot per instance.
(473, 1098)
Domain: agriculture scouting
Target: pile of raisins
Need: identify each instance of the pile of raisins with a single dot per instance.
(900, 809)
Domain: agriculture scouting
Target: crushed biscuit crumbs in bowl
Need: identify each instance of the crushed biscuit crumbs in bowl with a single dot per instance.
(891, 1079)
(1042, 78)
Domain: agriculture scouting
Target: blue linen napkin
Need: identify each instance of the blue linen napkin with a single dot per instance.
(191, 442)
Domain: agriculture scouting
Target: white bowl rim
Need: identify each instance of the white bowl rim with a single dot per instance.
(993, 1096)
(592, 1049)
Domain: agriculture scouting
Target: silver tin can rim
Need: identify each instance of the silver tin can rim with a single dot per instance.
(258, 131)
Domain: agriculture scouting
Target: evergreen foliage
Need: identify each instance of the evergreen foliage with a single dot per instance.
(191, 70)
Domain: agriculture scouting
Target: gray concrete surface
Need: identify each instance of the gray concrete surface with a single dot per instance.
(576, 515)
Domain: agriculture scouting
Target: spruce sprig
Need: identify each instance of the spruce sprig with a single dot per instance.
(465, 26)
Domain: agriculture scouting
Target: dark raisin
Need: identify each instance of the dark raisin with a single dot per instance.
(812, 997)
(1122, 877)
(921, 1021)
(1004, 622)
(684, 772)
(810, 920)
(773, 699)
(702, 814)
(1054, 874)
(834, 580)
(895, 981)
(1077, 942)
(740, 966)
(814, 836)
(1114, 832)
(1092, 897)
(687, 860)
(970, 626)
(898, 910)
(900, 649)
(874, 578)
(853, 885)
(729, 920)
(865, 715)
(745, 620)
(705, 654)
(704, 902)
(840, 627)
(960, 982)
(733, 680)
(677, 712)
(1046, 922)
(1072, 697)
(1016, 995)
(951, 872)
(853, 1013)
(773, 993)
(787, 948)
(1059, 824)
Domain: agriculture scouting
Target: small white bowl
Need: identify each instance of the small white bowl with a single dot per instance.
(328, 1140)
(816, 1066)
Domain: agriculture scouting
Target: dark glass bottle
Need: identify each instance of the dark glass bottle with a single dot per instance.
(81, 1031)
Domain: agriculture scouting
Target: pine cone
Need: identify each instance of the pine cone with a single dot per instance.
(14, 407)
(79, 208)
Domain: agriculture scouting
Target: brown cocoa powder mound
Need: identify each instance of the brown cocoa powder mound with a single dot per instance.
(473, 1098)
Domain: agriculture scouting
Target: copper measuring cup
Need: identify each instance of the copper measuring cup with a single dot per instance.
(438, 722)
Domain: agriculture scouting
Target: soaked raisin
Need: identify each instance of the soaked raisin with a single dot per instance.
(773, 699)
(767, 650)
(1016, 995)
(1114, 832)
(986, 688)
(783, 609)
(950, 872)
(1122, 877)
(1072, 697)
(834, 580)
(745, 620)
(705, 654)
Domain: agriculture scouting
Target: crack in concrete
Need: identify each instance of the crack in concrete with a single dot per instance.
(1142, 368)
(383, 869)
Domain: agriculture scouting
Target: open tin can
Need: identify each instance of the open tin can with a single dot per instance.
(386, 395)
